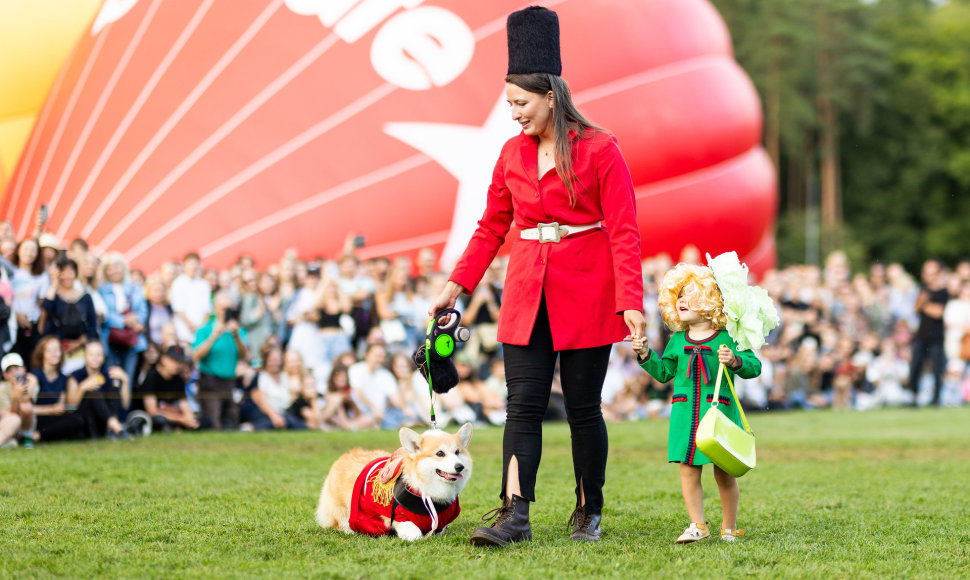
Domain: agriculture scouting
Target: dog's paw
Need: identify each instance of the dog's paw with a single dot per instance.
(407, 531)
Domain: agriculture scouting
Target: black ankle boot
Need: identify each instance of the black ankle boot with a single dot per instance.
(511, 524)
(586, 526)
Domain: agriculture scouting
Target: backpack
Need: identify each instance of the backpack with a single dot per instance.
(71, 321)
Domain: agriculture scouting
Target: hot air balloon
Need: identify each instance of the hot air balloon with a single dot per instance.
(252, 127)
(35, 38)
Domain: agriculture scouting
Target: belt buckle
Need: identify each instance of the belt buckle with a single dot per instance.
(549, 233)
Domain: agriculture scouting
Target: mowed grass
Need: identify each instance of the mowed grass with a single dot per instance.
(846, 495)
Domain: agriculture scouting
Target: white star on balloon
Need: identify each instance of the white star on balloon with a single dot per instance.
(469, 153)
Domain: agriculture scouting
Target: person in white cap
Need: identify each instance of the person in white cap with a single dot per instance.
(16, 408)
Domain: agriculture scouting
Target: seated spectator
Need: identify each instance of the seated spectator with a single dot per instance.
(340, 411)
(162, 393)
(449, 407)
(126, 313)
(403, 408)
(63, 414)
(272, 396)
(372, 384)
(888, 373)
(400, 312)
(69, 313)
(106, 389)
(219, 346)
(97, 380)
(16, 409)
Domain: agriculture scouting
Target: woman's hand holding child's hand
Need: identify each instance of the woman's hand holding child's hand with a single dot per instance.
(640, 345)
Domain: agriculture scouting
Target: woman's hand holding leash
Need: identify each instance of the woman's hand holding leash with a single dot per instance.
(449, 295)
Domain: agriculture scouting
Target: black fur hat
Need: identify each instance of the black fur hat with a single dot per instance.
(534, 41)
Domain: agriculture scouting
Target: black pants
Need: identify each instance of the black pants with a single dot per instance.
(88, 421)
(933, 351)
(529, 373)
(216, 405)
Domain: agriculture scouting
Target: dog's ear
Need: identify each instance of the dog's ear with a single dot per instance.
(465, 434)
(410, 441)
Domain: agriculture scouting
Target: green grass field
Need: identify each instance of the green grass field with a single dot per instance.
(847, 495)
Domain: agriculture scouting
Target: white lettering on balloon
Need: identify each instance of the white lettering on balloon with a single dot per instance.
(421, 48)
(111, 11)
(417, 49)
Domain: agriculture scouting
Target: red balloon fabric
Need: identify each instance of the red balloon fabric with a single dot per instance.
(243, 127)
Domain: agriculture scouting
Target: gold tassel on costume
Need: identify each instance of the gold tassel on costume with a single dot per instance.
(382, 493)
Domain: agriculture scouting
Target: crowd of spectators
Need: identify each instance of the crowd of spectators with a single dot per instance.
(92, 349)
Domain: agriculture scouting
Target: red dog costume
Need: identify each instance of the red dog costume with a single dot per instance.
(377, 499)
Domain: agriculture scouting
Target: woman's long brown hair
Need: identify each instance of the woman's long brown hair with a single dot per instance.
(565, 116)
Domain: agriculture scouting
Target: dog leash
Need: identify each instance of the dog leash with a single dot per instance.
(427, 361)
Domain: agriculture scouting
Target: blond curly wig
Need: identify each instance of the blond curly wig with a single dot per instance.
(703, 295)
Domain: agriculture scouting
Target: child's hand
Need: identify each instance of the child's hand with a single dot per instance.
(640, 345)
(726, 356)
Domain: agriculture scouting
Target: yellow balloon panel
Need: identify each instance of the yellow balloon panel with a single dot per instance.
(13, 136)
(35, 37)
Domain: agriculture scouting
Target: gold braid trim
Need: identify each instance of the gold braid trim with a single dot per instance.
(382, 493)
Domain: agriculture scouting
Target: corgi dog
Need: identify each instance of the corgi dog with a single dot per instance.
(412, 493)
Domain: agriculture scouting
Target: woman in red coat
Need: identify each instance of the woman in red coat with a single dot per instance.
(574, 284)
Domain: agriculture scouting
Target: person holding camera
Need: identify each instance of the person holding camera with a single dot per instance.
(219, 346)
(16, 407)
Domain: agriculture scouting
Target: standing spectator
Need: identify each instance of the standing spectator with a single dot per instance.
(259, 309)
(399, 312)
(69, 313)
(928, 340)
(219, 346)
(30, 281)
(301, 316)
(163, 392)
(89, 281)
(333, 322)
(50, 250)
(191, 298)
(372, 384)
(158, 311)
(16, 409)
(361, 290)
(956, 321)
(125, 314)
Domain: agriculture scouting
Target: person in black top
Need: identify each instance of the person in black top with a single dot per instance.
(928, 340)
(163, 392)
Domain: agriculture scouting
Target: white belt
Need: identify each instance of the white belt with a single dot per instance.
(553, 232)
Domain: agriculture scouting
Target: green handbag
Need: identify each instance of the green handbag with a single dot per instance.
(721, 440)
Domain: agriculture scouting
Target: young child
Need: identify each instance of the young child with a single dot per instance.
(692, 305)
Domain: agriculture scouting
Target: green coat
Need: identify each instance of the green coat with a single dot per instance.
(694, 387)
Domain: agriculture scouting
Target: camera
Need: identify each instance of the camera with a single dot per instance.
(359, 241)
(231, 314)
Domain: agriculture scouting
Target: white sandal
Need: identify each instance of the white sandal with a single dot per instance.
(729, 535)
(693, 533)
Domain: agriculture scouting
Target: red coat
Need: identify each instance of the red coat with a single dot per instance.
(589, 278)
(368, 508)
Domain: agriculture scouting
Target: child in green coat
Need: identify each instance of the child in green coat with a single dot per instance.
(692, 305)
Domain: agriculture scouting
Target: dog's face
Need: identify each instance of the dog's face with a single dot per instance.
(437, 463)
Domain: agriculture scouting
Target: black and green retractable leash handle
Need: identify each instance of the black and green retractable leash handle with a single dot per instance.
(440, 339)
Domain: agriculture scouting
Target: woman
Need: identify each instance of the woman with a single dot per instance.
(399, 311)
(332, 314)
(30, 281)
(271, 397)
(403, 408)
(69, 313)
(571, 291)
(159, 310)
(260, 311)
(339, 409)
(125, 314)
(104, 389)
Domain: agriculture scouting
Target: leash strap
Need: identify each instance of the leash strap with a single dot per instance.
(717, 389)
(427, 361)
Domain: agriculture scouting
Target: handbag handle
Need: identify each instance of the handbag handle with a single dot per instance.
(717, 390)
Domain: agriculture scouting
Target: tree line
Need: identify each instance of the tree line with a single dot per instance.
(867, 118)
